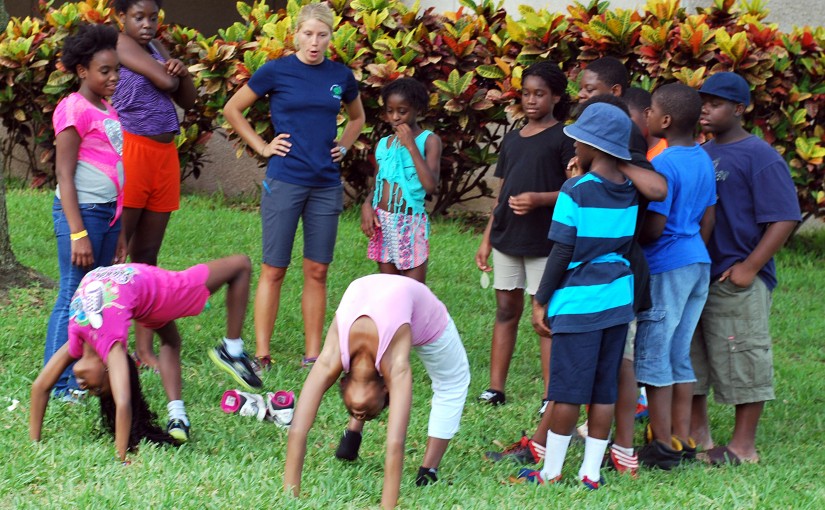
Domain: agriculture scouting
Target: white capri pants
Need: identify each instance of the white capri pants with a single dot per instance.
(446, 363)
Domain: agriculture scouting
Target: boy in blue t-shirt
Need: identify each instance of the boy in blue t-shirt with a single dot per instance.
(756, 211)
(586, 291)
(673, 239)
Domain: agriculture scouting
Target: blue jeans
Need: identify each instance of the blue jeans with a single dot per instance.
(96, 219)
(665, 331)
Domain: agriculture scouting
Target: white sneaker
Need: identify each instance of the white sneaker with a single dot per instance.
(280, 408)
(243, 403)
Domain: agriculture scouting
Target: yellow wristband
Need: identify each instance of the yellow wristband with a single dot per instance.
(79, 235)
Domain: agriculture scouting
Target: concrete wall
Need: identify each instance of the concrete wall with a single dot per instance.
(787, 13)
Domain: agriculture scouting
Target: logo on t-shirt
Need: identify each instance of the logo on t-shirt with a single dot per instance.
(336, 91)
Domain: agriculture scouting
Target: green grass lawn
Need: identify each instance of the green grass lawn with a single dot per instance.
(238, 462)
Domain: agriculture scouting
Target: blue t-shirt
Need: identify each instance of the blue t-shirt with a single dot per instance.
(691, 188)
(304, 101)
(597, 217)
(753, 188)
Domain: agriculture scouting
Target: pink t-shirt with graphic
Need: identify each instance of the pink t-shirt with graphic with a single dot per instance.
(108, 298)
(98, 176)
(390, 301)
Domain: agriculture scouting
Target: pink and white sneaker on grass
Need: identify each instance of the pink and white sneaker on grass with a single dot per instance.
(244, 404)
(280, 407)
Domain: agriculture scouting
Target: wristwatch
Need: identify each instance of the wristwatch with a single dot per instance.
(342, 150)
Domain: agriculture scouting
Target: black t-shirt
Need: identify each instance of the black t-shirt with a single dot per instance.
(636, 257)
(536, 163)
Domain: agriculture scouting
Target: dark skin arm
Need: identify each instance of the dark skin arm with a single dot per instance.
(652, 185)
(67, 144)
(742, 273)
(122, 395)
(323, 375)
(707, 223)
(41, 388)
(185, 94)
(652, 228)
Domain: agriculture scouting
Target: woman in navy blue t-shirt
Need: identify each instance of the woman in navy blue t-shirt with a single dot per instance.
(303, 178)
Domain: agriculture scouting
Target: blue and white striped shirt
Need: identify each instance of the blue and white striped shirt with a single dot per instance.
(597, 217)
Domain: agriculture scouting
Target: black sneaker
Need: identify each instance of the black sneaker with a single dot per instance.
(659, 455)
(178, 429)
(492, 397)
(426, 476)
(349, 446)
(239, 368)
(689, 451)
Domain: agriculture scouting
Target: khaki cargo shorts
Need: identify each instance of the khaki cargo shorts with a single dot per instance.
(731, 350)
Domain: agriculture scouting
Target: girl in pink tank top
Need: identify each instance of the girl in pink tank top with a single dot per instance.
(381, 318)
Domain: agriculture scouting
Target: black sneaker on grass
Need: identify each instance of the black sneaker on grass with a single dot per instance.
(178, 429)
(426, 476)
(239, 368)
(492, 397)
(349, 446)
(656, 454)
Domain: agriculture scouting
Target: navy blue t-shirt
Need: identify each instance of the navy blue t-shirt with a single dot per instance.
(304, 101)
(754, 189)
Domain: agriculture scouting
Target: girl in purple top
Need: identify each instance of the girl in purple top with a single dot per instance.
(87, 205)
(381, 318)
(151, 82)
(106, 301)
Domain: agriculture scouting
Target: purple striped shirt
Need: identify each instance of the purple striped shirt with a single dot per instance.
(143, 108)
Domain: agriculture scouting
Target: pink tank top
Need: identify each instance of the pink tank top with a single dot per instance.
(390, 301)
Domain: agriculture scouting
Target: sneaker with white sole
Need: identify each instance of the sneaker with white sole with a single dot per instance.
(621, 462)
(244, 404)
(240, 369)
(280, 408)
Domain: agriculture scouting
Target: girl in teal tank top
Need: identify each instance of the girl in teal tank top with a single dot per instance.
(393, 217)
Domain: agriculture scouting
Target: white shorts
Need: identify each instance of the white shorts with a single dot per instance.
(513, 272)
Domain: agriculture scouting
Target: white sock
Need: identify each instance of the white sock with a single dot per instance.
(556, 450)
(234, 346)
(177, 411)
(622, 449)
(593, 454)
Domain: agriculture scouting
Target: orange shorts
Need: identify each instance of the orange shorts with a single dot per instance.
(152, 174)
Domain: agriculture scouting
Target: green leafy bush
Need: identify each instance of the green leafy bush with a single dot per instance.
(471, 60)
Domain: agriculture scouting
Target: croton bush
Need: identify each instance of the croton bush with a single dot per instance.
(471, 60)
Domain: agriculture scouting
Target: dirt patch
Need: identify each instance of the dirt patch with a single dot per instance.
(20, 277)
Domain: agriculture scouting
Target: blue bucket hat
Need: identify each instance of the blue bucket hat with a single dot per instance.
(605, 127)
(728, 86)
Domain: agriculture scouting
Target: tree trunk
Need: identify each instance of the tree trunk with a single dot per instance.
(7, 258)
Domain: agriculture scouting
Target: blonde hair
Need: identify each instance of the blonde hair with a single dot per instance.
(320, 11)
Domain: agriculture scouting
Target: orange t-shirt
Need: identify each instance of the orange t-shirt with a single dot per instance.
(656, 149)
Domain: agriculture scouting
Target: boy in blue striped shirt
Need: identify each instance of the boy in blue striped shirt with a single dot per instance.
(586, 293)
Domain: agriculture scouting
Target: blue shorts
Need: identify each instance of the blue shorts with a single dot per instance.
(664, 334)
(282, 204)
(584, 367)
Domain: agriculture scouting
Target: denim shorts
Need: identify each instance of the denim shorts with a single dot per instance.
(732, 350)
(511, 272)
(282, 204)
(584, 367)
(664, 334)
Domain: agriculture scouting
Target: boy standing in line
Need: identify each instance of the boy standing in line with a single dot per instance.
(673, 238)
(586, 291)
(757, 210)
